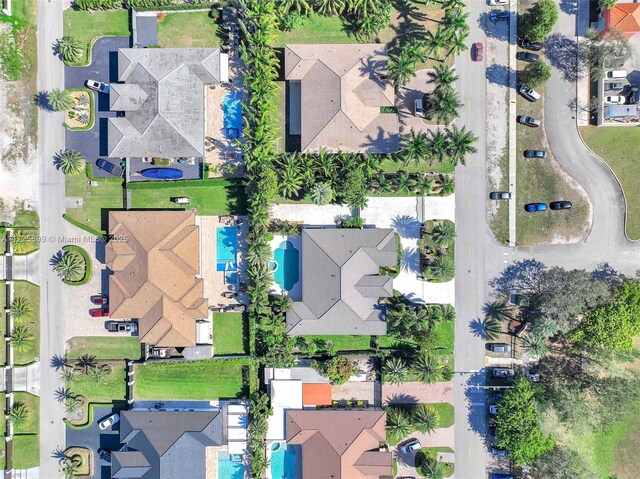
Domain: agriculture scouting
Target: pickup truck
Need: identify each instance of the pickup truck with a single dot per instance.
(122, 327)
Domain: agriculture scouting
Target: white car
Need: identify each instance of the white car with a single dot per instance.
(98, 86)
(498, 3)
(411, 446)
(109, 421)
(614, 100)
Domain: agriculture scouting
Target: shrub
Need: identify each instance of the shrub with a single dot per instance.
(337, 369)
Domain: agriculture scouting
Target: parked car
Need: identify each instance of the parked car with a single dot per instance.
(109, 421)
(477, 52)
(613, 86)
(109, 167)
(100, 299)
(493, 409)
(500, 348)
(499, 452)
(499, 475)
(529, 93)
(502, 372)
(499, 15)
(529, 45)
(615, 100)
(528, 121)
(98, 86)
(500, 195)
(535, 154)
(527, 57)
(616, 74)
(535, 207)
(418, 108)
(560, 205)
(122, 327)
(99, 313)
(410, 446)
(496, 396)
(180, 200)
(498, 3)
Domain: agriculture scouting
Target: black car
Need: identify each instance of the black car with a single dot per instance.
(527, 57)
(109, 167)
(535, 154)
(492, 431)
(528, 45)
(499, 15)
(613, 86)
(560, 205)
(499, 195)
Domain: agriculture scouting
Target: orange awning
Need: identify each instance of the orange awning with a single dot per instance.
(316, 394)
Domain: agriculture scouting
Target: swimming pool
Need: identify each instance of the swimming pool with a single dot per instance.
(226, 248)
(228, 469)
(286, 463)
(287, 259)
(232, 108)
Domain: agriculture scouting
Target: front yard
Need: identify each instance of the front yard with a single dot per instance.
(32, 423)
(190, 380)
(112, 388)
(26, 451)
(229, 334)
(188, 30)
(31, 292)
(121, 347)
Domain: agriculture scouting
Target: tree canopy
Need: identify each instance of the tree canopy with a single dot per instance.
(538, 21)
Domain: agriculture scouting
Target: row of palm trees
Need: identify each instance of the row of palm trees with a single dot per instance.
(437, 260)
(453, 144)
(416, 324)
(413, 183)
(424, 366)
(402, 421)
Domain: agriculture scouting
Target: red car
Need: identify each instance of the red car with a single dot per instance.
(477, 51)
(99, 312)
(100, 300)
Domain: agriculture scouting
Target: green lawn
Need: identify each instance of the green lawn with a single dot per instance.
(446, 413)
(219, 197)
(3, 323)
(198, 380)
(85, 26)
(346, 343)
(188, 30)
(30, 291)
(97, 200)
(445, 331)
(391, 166)
(433, 452)
(26, 451)
(229, 336)
(32, 424)
(615, 145)
(121, 347)
(113, 388)
(317, 29)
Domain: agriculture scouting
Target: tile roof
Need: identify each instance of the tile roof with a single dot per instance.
(155, 276)
(624, 17)
(339, 444)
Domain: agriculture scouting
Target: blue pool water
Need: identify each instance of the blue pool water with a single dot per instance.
(228, 469)
(286, 463)
(287, 271)
(226, 248)
(232, 108)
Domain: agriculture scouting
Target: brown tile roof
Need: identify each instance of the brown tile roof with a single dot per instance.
(340, 444)
(155, 274)
(624, 17)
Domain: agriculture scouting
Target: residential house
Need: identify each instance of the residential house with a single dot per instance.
(623, 17)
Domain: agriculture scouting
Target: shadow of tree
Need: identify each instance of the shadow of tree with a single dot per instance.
(406, 226)
(403, 398)
(496, 30)
(499, 74)
(570, 7)
(58, 362)
(522, 275)
(476, 397)
(41, 99)
(62, 393)
(478, 328)
(410, 260)
(563, 54)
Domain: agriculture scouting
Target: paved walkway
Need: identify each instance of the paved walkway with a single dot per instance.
(26, 266)
(309, 215)
(414, 392)
(27, 378)
(33, 473)
(443, 437)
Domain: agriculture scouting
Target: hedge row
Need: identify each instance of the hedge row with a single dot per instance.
(71, 248)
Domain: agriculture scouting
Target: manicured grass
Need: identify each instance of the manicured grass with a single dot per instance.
(26, 219)
(188, 30)
(97, 200)
(346, 343)
(282, 115)
(433, 452)
(618, 146)
(198, 380)
(391, 166)
(229, 335)
(113, 388)
(216, 199)
(317, 29)
(30, 291)
(120, 347)
(3, 323)
(26, 451)
(32, 424)
(19, 57)
(85, 26)
(446, 413)
(445, 331)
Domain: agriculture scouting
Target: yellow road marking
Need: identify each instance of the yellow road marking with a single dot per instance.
(469, 452)
(469, 251)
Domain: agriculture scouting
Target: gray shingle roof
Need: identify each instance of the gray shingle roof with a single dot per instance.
(341, 284)
(163, 100)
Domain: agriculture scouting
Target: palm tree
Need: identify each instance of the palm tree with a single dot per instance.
(21, 338)
(321, 193)
(70, 266)
(394, 370)
(68, 375)
(70, 162)
(404, 183)
(426, 366)
(258, 253)
(442, 105)
(434, 43)
(451, 4)
(330, 8)
(71, 405)
(498, 310)
(442, 76)
(70, 468)
(384, 183)
(454, 21)
(60, 100)
(22, 241)
(365, 8)
(83, 100)
(447, 185)
(545, 327)
(438, 144)
(21, 309)
(86, 362)
(416, 147)
(416, 50)
(290, 177)
(492, 329)
(98, 373)
(535, 345)
(84, 118)
(443, 267)
(425, 186)
(300, 6)
(458, 43)
(431, 468)
(400, 69)
(448, 312)
(19, 414)
(398, 422)
(425, 419)
(460, 144)
(69, 48)
(444, 233)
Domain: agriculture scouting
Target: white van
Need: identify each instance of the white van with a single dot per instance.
(617, 74)
(181, 200)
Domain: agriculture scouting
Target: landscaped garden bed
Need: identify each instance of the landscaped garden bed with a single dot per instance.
(81, 115)
(437, 250)
(26, 345)
(83, 460)
(82, 273)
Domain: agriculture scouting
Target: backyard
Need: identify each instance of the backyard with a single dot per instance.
(345, 343)
(188, 30)
(198, 380)
(31, 292)
(88, 25)
(121, 347)
(229, 334)
(616, 146)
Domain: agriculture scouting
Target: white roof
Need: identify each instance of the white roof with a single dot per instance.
(285, 394)
(224, 67)
(236, 434)
(237, 447)
(237, 420)
(236, 409)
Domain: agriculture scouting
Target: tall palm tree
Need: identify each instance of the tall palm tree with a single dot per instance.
(21, 338)
(70, 266)
(447, 185)
(458, 43)
(535, 345)
(400, 69)
(365, 8)
(384, 183)
(19, 414)
(69, 48)
(22, 241)
(454, 21)
(404, 183)
(443, 267)
(69, 468)
(442, 76)
(290, 179)
(425, 418)
(427, 368)
(258, 253)
(68, 375)
(492, 329)
(99, 373)
(398, 422)
(448, 312)
(330, 8)
(444, 233)
(394, 370)
(415, 147)
(86, 362)
(460, 144)
(70, 162)
(545, 327)
(60, 100)
(442, 105)
(438, 144)
(431, 468)
(71, 404)
(301, 6)
(499, 310)
(21, 309)
(322, 193)
(434, 43)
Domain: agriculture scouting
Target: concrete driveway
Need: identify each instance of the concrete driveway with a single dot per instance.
(104, 67)
(93, 438)
(416, 88)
